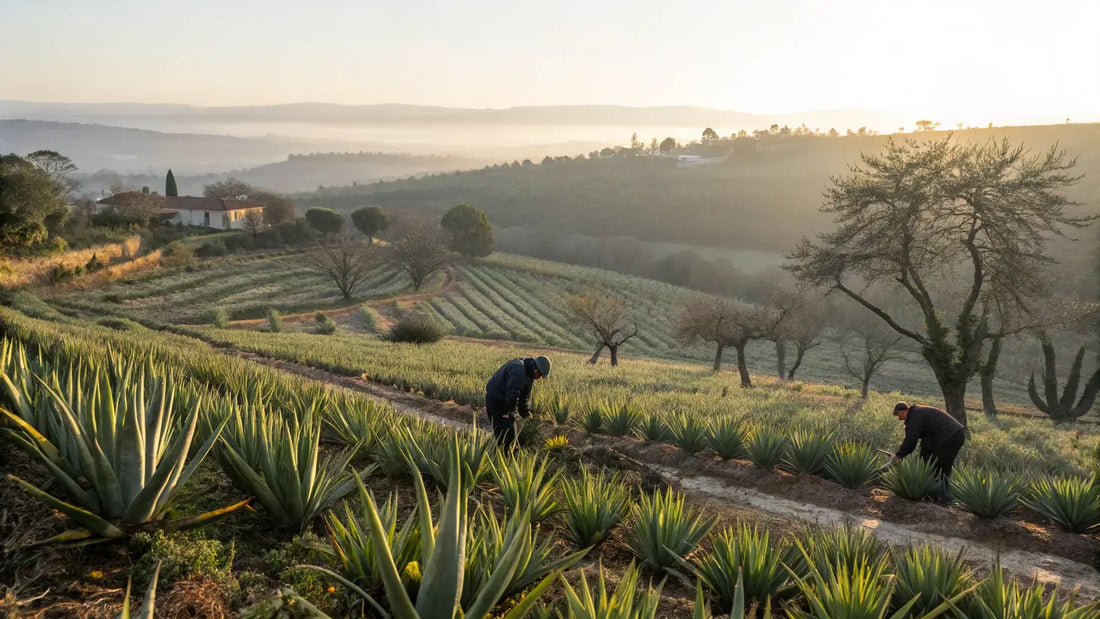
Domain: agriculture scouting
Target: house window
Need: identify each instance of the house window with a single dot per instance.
(206, 218)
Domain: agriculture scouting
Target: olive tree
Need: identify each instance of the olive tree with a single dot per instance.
(725, 322)
(346, 260)
(950, 227)
(607, 318)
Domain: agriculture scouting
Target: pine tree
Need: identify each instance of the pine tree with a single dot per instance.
(170, 188)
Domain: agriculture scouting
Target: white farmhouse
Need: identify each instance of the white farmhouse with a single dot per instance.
(221, 213)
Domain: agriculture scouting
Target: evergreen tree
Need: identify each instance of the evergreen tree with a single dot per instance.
(170, 188)
(470, 231)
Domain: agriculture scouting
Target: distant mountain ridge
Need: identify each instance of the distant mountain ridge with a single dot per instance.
(397, 113)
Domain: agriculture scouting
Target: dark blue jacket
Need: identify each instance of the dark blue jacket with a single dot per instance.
(511, 384)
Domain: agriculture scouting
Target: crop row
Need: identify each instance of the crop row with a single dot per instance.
(90, 419)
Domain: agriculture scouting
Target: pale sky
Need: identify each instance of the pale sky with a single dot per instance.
(963, 61)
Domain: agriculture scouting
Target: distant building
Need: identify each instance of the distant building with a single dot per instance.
(694, 160)
(221, 213)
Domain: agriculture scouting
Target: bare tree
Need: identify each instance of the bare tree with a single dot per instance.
(607, 318)
(801, 318)
(418, 246)
(868, 344)
(253, 222)
(726, 323)
(347, 261)
(971, 218)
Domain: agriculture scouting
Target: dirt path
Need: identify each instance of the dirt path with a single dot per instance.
(740, 491)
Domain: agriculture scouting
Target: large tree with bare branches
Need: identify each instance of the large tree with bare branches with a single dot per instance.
(607, 318)
(725, 323)
(418, 246)
(346, 260)
(955, 228)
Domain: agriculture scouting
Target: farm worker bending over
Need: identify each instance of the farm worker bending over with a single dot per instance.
(940, 436)
(509, 392)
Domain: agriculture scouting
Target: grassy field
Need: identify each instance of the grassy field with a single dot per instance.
(246, 561)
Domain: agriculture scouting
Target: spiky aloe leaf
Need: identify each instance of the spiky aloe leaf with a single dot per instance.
(441, 588)
(726, 437)
(746, 552)
(148, 604)
(767, 447)
(623, 602)
(82, 517)
(930, 576)
(689, 433)
(807, 451)
(523, 482)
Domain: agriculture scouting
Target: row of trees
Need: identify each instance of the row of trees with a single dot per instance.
(416, 245)
(943, 245)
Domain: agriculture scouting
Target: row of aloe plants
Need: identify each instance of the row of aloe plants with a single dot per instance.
(1072, 503)
(275, 458)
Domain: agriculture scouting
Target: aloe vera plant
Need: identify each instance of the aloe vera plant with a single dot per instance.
(842, 546)
(741, 562)
(622, 603)
(911, 478)
(727, 438)
(860, 591)
(357, 424)
(930, 576)
(594, 504)
(987, 494)
(525, 483)
(621, 419)
(592, 420)
(997, 597)
(350, 537)
(851, 464)
(1074, 503)
(653, 428)
(442, 559)
(767, 447)
(278, 460)
(485, 547)
(119, 437)
(689, 433)
(665, 530)
(807, 451)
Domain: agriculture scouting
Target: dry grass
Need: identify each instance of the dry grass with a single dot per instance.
(21, 273)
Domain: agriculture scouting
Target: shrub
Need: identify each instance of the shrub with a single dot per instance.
(415, 328)
(912, 478)
(325, 324)
(1074, 503)
(118, 323)
(94, 264)
(665, 530)
(221, 318)
(851, 464)
(274, 321)
(986, 494)
(370, 318)
(181, 555)
(212, 248)
(177, 254)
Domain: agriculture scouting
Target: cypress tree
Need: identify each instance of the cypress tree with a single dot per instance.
(170, 185)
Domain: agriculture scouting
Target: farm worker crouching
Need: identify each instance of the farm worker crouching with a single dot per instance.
(940, 436)
(508, 392)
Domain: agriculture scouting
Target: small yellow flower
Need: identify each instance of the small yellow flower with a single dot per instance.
(331, 589)
(95, 575)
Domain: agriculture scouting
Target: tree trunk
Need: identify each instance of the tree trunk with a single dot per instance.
(614, 350)
(866, 385)
(596, 355)
(718, 357)
(954, 396)
(781, 357)
(989, 369)
(952, 382)
(742, 369)
(800, 351)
